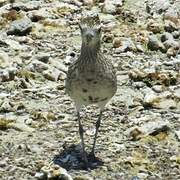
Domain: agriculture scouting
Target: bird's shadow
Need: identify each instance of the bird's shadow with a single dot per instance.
(71, 158)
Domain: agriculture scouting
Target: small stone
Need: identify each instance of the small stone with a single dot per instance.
(157, 6)
(108, 38)
(8, 74)
(172, 14)
(28, 6)
(172, 52)
(150, 99)
(3, 163)
(158, 88)
(58, 64)
(139, 48)
(68, 60)
(20, 27)
(40, 175)
(44, 57)
(148, 128)
(4, 59)
(38, 66)
(171, 43)
(166, 36)
(154, 27)
(88, 2)
(124, 45)
(176, 34)
(55, 172)
(111, 6)
(154, 44)
(155, 127)
(52, 74)
(139, 84)
(170, 26)
(116, 42)
(40, 14)
(178, 134)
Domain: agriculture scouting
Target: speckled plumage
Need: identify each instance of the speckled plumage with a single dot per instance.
(91, 79)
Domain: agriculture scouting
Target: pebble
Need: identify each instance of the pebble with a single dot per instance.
(155, 27)
(20, 27)
(38, 66)
(4, 59)
(55, 172)
(124, 45)
(172, 51)
(171, 43)
(176, 34)
(166, 36)
(170, 26)
(158, 88)
(148, 128)
(52, 74)
(157, 6)
(8, 74)
(88, 2)
(43, 57)
(150, 99)
(178, 134)
(155, 44)
(111, 6)
(28, 6)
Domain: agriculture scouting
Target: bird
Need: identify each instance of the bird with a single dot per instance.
(91, 78)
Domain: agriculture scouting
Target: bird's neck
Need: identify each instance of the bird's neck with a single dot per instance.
(90, 52)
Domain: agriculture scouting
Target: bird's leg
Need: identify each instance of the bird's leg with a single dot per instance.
(98, 122)
(81, 131)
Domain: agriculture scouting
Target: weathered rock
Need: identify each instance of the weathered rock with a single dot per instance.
(88, 2)
(8, 74)
(139, 48)
(55, 172)
(178, 134)
(170, 26)
(28, 6)
(171, 43)
(155, 27)
(108, 38)
(52, 74)
(157, 6)
(176, 34)
(111, 6)
(172, 51)
(43, 57)
(155, 44)
(39, 14)
(6, 106)
(15, 45)
(166, 36)
(158, 88)
(149, 128)
(38, 66)
(20, 27)
(150, 99)
(116, 42)
(124, 45)
(172, 14)
(4, 59)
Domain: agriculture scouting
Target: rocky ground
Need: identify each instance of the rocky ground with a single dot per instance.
(139, 136)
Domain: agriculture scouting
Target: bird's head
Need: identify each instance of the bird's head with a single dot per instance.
(90, 29)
